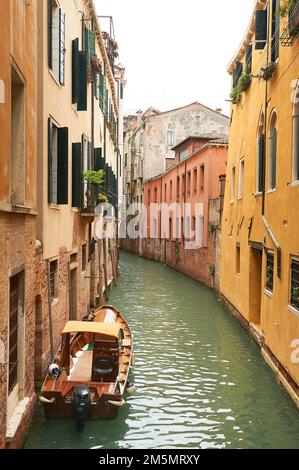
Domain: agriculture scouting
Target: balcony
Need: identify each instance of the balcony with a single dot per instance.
(291, 32)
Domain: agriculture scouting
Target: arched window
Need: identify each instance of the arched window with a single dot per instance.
(260, 167)
(272, 149)
(296, 133)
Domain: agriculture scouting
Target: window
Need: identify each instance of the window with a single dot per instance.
(275, 31)
(270, 271)
(16, 352)
(195, 180)
(57, 164)
(53, 280)
(170, 229)
(86, 166)
(183, 155)
(149, 196)
(237, 73)
(241, 179)
(170, 138)
(165, 191)
(294, 300)
(272, 151)
(233, 183)
(249, 59)
(238, 259)
(261, 28)
(84, 257)
(189, 182)
(170, 191)
(296, 133)
(17, 139)
(156, 195)
(183, 185)
(260, 173)
(178, 187)
(202, 179)
(56, 41)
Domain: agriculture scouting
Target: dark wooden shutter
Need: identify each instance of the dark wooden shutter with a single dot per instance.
(249, 58)
(77, 175)
(275, 32)
(75, 70)
(261, 27)
(82, 98)
(61, 47)
(274, 158)
(99, 160)
(237, 73)
(49, 161)
(62, 165)
(50, 54)
(261, 162)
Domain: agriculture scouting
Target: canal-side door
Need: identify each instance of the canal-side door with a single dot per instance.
(255, 282)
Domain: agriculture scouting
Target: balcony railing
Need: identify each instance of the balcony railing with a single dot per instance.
(291, 32)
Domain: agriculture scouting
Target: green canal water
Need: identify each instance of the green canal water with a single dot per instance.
(201, 380)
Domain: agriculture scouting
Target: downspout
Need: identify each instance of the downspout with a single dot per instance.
(266, 113)
(269, 230)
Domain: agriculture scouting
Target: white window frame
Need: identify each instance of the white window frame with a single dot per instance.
(241, 178)
(170, 132)
(233, 184)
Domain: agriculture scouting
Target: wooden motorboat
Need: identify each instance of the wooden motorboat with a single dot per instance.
(89, 375)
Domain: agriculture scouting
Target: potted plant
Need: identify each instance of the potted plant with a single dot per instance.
(267, 71)
(244, 81)
(95, 180)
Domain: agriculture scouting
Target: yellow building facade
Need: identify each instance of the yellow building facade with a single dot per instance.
(260, 236)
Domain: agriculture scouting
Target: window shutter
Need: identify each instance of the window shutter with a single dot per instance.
(75, 70)
(76, 175)
(84, 36)
(49, 161)
(101, 86)
(82, 97)
(261, 17)
(261, 162)
(91, 42)
(274, 158)
(50, 55)
(275, 33)
(62, 165)
(249, 58)
(237, 73)
(61, 47)
(99, 160)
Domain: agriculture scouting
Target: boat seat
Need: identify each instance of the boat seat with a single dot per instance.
(103, 365)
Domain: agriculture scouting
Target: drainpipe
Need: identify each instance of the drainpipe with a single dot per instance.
(266, 114)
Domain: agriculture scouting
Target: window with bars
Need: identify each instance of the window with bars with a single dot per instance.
(294, 295)
(270, 271)
(53, 280)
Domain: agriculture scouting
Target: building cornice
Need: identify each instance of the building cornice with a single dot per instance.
(259, 4)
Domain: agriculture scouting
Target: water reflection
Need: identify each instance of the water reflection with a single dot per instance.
(201, 380)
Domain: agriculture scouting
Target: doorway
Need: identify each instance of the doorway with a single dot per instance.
(255, 284)
(16, 353)
(73, 294)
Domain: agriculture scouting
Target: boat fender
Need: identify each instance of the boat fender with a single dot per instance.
(119, 404)
(54, 369)
(130, 389)
(47, 400)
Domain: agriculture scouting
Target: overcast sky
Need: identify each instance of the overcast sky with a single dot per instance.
(177, 51)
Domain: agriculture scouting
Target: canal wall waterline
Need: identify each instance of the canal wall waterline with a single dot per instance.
(157, 250)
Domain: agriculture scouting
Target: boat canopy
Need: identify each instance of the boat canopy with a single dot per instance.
(105, 329)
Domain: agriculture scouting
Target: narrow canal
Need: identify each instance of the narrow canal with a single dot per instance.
(201, 380)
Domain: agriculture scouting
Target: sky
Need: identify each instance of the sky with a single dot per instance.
(177, 51)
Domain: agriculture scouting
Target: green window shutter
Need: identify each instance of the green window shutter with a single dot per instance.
(62, 165)
(49, 161)
(274, 158)
(75, 70)
(82, 97)
(101, 90)
(249, 58)
(77, 175)
(275, 32)
(99, 160)
(96, 85)
(261, 26)
(237, 73)
(91, 42)
(61, 47)
(261, 163)
(50, 53)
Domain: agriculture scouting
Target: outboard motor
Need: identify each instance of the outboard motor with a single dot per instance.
(81, 404)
